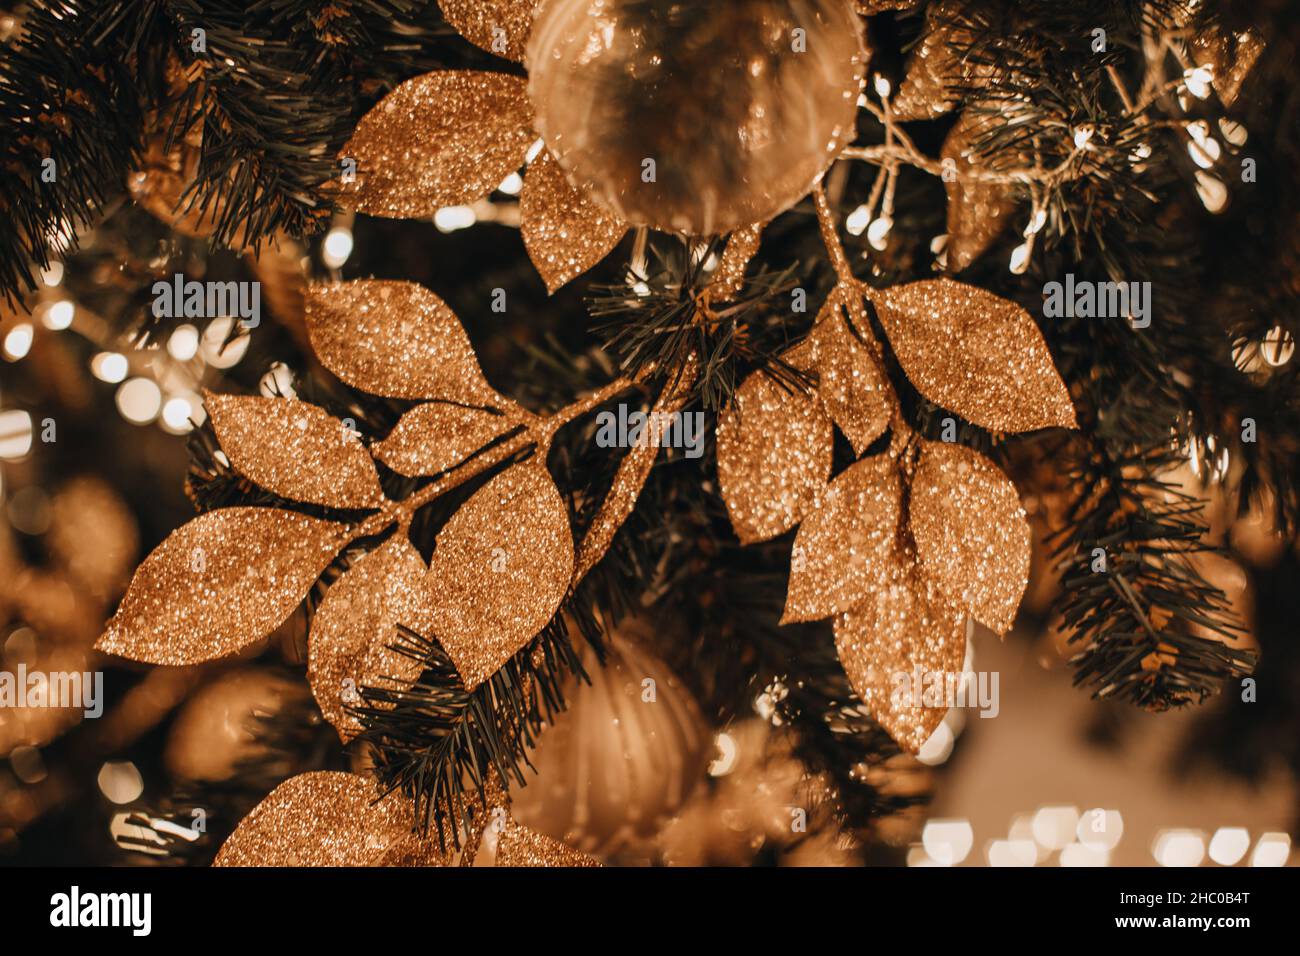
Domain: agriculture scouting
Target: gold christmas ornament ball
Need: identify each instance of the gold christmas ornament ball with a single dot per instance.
(698, 116)
(214, 731)
(623, 757)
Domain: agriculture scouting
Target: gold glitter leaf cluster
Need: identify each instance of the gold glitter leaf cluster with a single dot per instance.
(902, 546)
(449, 138)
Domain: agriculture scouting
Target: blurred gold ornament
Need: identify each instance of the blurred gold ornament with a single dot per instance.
(696, 117)
(216, 729)
(978, 209)
(622, 757)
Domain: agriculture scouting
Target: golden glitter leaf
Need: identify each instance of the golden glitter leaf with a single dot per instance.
(295, 450)
(356, 625)
(445, 138)
(395, 339)
(498, 26)
(933, 67)
(501, 566)
(774, 456)
(851, 383)
(565, 231)
(729, 277)
(976, 354)
(630, 478)
(435, 436)
(847, 547)
(325, 818)
(1229, 56)
(219, 583)
(895, 645)
(519, 845)
(972, 537)
(978, 209)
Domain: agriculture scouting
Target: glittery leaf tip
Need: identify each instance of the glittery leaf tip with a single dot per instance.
(498, 26)
(520, 846)
(565, 231)
(436, 436)
(295, 450)
(850, 381)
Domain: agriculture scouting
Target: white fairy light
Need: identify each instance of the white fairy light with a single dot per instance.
(511, 184)
(59, 315)
(856, 221)
(1020, 258)
(18, 341)
(878, 232)
(451, 218)
(1198, 81)
(138, 400)
(183, 344)
(337, 247)
(109, 367)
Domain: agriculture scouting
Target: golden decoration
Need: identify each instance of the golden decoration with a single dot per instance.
(630, 478)
(975, 353)
(501, 566)
(445, 138)
(774, 456)
(517, 845)
(498, 26)
(356, 625)
(325, 818)
(933, 67)
(436, 436)
(565, 232)
(972, 538)
(218, 583)
(851, 380)
(899, 631)
(847, 546)
(978, 209)
(1229, 56)
(357, 328)
(295, 450)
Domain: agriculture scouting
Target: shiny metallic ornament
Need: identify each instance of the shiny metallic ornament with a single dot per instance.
(699, 116)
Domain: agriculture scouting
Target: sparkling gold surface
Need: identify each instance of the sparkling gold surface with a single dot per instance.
(325, 819)
(741, 246)
(629, 479)
(433, 437)
(498, 26)
(976, 354)
(218, 583)
(519, 846)
(564, 231)
(932, 68)
(445, 138)
(356, 624)
(396, 339)
(500, 568)
(978, 210)
(295, 450)
(740, 116)
(972, 537)
(851, 384)
(897, 630)
(774, 456)
(847, 546)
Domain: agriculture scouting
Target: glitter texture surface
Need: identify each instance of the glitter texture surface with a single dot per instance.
(629, 479)
(396, 339)
(500, 568)
(978, 210)
(445, 138)
(896, 631)
(324, 818)
(972, 538)
(975, 354)
(847, 546)
(498, 26)
(295, 450)
(565, 232)
(433, 437)
(519, 846)
(850, 382)
(730, 275)
(774, 456)
(356, 623)
(932, 66)
(219, 583)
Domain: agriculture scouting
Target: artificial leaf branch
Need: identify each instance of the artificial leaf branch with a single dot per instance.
(903, 545)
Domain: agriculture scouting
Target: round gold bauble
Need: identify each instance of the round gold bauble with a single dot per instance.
(697, 116)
